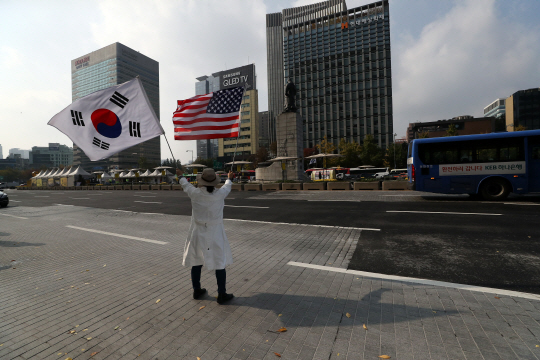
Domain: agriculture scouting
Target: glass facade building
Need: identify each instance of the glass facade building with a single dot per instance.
(523, 109)
(340, 61)
(106, 67)
(495, 109)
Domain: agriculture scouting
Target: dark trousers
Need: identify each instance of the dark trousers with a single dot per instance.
(221, 277)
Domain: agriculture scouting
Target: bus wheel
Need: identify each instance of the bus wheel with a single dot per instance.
(495, 189)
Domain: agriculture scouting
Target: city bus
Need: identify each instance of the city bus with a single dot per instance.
(488, 165)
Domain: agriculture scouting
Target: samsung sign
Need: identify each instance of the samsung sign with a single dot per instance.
(237, 77)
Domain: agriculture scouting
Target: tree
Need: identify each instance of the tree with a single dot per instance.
(351, 152)
(520, 128)
(326, 147)
(424, 135)
(207, 162)
(452, 130)
(400, 151)
(261, 156)
(371, 154)
(171, 163)
(273, 148)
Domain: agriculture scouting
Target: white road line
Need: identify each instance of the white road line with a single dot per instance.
(402, 195)
(18, 217)
(40, 196)
(62, 205)
(440, 212)
(152, 213)
(520, 204)
(123, 210)
(15, 201)
(118, 235)
(419, 281)
(294, 224)
(148, 202)
(339, 200)
(253, 207)
(145, 195)
(80, 198)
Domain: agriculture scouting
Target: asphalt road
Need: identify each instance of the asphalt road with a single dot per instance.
(446, 238)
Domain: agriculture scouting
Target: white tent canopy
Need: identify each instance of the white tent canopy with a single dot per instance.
(105, 175)
(145, 174)
(79, 171)
(44, 174)
(38, 175)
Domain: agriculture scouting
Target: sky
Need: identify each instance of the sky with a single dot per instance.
(449, 57)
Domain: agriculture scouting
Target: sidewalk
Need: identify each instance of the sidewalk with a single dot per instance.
(124, 298)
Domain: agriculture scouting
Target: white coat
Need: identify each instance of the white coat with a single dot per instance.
(207, 243)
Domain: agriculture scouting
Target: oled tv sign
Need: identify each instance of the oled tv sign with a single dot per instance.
(237, 77)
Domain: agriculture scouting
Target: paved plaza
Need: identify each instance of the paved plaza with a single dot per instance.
(89, 283)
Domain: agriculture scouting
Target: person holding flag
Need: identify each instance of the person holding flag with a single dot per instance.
(210, 116)
(207, 244)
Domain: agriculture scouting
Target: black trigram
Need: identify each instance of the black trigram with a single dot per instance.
(76, 116)
(101, 144)
(119, 99)
(134, 129)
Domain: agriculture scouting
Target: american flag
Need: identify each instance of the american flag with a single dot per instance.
(211, 116)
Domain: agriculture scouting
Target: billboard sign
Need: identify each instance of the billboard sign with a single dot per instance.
(237, 77)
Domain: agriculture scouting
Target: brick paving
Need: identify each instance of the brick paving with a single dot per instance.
(105, 289)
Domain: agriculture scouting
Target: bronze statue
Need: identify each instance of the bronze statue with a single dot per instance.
(290, 94)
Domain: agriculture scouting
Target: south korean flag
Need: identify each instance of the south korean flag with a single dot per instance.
(109, 121)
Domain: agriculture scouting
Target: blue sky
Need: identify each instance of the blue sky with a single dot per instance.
(449, 58)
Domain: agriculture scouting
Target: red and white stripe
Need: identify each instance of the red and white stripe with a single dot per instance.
(191, 122)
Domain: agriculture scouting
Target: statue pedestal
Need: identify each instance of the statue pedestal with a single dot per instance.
(290, 141)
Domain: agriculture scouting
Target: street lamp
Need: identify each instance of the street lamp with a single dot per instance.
(191, 155)
(395, 150)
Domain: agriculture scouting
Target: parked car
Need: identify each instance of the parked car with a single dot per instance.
(4, 200)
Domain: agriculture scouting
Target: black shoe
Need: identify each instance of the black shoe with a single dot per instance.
(197, 294)
(224, 297)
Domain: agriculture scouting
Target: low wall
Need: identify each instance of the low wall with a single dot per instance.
(394, 185)
(252, 187)
(314, 186)
(126, 187)
(338, 185)
(270, 187)
(238, 187)
(291, 186)
(177, 187)
(145, 187)
(155, 187)
(372, 185)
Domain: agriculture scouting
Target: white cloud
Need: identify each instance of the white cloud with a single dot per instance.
(460, 63)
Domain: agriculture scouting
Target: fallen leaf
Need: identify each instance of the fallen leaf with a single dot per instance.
(127, 318)
(59, 354)
(184, 319)
(280, 314)
(537, 345)
(94, 353)
(364, 326)
(348, 315)
(202, 307)
(278, 355)
(384, 356)
(282, 329)
(87, 270)
(69, 359)
(83, 349)
(72, 332)
(86, 283)
(14, 260)
(496, 297)
(198, 358)
(158, 300)
(85, 329)
(89, 338)
(104, 265)
(116, 327)
(77, 325)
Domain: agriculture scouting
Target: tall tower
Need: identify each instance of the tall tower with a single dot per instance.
(106, 67)
(339, 60)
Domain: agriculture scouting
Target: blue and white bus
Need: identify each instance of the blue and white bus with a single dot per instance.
(487, 165)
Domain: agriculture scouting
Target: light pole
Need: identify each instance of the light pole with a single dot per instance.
(394, 150)
(191, 155)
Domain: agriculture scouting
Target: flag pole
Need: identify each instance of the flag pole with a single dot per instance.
(239, 127)
(175, 167)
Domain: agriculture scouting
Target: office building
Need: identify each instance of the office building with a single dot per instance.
(339, 59)
(248, 141)
(106, 67)
(523, 109)
(24, 154)
(264, 134)
(495, 109)
(53, 155)
(464, 125)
